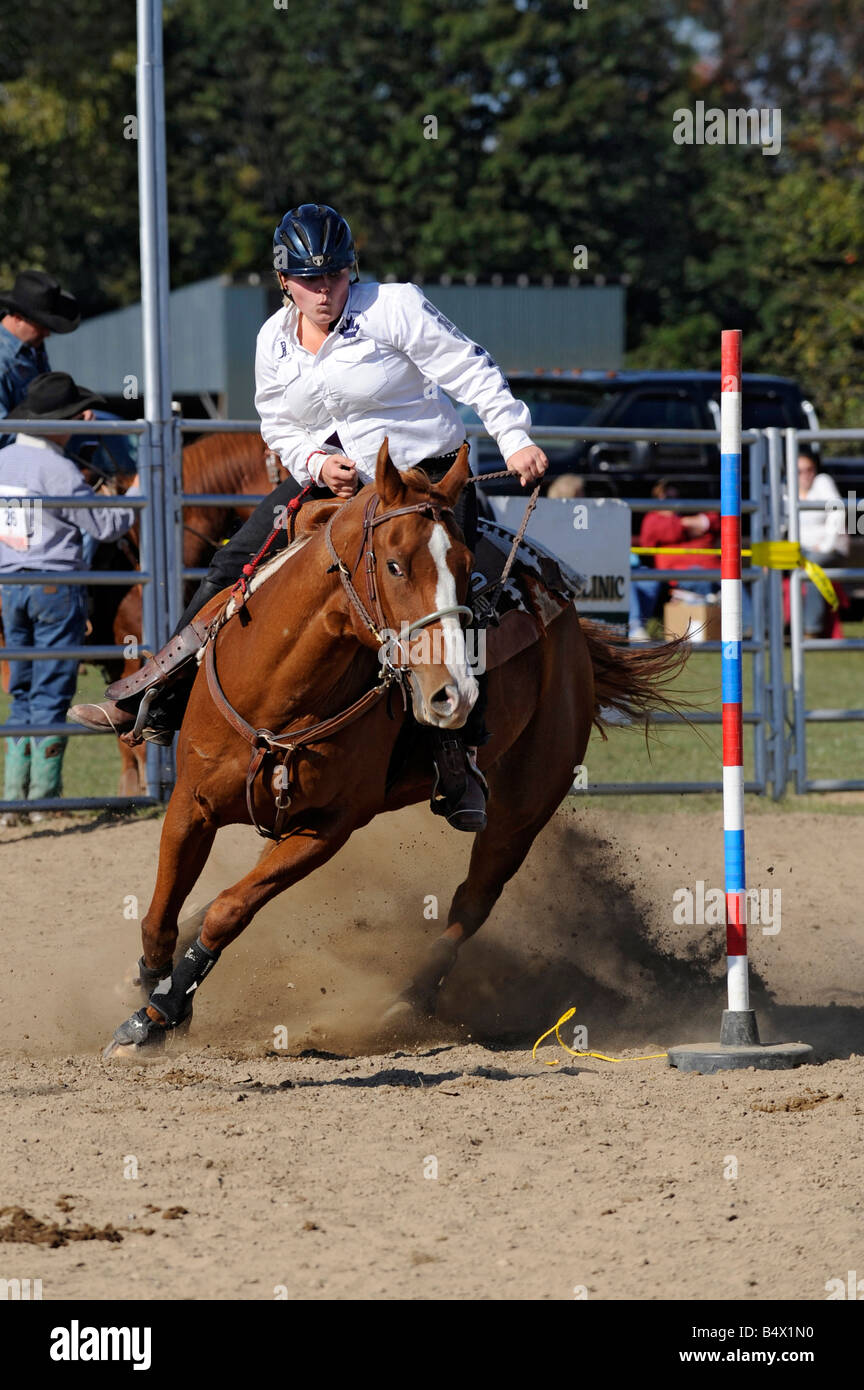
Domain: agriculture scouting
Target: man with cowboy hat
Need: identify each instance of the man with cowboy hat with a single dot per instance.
(35, 307)
(45, 615)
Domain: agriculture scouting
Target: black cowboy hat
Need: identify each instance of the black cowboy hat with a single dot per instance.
(39, 298)
(54, 396)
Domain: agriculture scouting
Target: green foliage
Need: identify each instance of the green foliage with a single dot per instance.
(554, 129)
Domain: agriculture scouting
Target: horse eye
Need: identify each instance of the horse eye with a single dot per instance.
(393, 567)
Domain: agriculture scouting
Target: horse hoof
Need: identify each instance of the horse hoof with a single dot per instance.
(129, 1052)
(409, 1008)
(137, 1034)
(400, 1011)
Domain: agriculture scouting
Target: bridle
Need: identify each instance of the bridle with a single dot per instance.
(289, 742)
(378, 625)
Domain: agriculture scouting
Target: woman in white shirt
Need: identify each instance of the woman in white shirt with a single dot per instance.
(822, 534)
(338, 367)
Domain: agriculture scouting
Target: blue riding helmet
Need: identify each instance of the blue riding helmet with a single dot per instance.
(313, 239)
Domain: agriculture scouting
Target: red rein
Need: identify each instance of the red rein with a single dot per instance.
(238, 593)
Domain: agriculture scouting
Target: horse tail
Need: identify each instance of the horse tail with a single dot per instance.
(632, 681)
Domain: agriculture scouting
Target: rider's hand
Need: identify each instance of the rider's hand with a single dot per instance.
(530, 463)
(340, 475)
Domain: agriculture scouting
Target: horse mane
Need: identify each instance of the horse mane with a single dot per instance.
(417, 479)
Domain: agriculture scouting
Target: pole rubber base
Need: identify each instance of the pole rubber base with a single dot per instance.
(739, 1047)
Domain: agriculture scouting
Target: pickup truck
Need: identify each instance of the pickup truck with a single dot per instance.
(640, 400)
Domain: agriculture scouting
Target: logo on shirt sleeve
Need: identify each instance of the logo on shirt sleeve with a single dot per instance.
(457, 333)
(445, 322)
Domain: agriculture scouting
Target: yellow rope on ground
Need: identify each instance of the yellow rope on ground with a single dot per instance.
(772, 555)
(601, 1056)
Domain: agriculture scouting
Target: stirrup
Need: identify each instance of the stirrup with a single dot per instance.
(143, 710)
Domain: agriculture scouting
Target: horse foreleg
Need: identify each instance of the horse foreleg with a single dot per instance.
(187, 838)
(226, 917)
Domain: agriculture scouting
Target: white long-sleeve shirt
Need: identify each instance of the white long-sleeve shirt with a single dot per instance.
(824, 532)
(379, 372)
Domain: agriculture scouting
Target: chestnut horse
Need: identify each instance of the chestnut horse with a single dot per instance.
(305, 653)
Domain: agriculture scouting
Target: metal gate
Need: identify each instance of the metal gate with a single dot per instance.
(779, 715)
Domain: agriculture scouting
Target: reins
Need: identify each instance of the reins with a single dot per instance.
(287, 742)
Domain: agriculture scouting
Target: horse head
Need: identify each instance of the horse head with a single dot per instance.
(415, 567)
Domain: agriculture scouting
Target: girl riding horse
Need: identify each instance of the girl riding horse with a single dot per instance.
(338, 367)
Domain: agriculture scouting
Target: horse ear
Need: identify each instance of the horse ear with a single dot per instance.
(388, 482)
(455, 479)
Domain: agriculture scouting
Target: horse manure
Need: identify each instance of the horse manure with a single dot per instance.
(25, 1229)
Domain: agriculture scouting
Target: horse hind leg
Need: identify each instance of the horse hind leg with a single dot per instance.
(498, 853)
(526, 789)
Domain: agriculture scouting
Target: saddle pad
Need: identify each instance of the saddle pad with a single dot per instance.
(539, 585)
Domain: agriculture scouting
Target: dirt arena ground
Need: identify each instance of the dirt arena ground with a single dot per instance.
(446, 1165)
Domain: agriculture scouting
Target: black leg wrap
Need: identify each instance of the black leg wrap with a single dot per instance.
(149, 979)
(173, 995)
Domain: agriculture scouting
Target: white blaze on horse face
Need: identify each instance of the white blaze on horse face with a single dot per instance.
(464, 690)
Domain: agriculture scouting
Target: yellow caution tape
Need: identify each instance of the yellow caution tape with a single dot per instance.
(601, 1056)
(772, 555)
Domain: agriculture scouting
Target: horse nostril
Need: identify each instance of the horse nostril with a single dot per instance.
(445, 697)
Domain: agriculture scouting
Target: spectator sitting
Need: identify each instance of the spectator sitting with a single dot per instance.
(45, 615)
(822, 535)
(35, 307)
(663, 527)
(567, 485)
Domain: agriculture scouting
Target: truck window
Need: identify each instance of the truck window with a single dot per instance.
(658, 411)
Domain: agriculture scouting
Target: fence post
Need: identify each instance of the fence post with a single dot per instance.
(155, 313)
(758, 596)
(774, 580)
(796, 617)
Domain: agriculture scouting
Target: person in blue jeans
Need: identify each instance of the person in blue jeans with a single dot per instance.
(45, 615)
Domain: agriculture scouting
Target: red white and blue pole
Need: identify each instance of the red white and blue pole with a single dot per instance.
(731, 635)
(739, 1044)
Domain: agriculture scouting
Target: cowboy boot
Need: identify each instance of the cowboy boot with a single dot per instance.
(46, 772)
(460, 789)
(16, 778)
(139, 707)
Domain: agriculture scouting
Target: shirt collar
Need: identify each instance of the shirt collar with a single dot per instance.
(342, 317)
(35, 441)
(19, 345)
